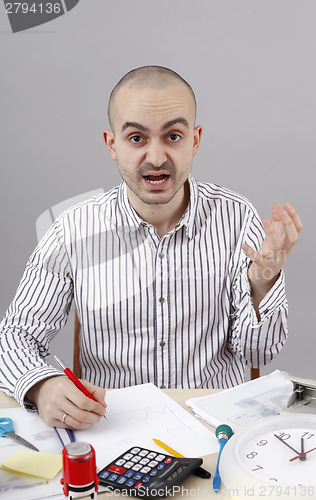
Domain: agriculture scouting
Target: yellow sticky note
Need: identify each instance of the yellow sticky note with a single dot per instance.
(45, 465)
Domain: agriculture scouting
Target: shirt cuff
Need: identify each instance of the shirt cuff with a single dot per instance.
(274, 298)
(29, 379)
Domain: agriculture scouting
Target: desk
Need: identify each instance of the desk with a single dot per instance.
(200, 488)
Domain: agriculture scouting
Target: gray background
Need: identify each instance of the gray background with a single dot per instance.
(252, 65)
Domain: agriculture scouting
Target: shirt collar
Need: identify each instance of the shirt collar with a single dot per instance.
(188, 219)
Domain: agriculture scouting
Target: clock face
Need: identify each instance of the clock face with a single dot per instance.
(276, 453)
(287, 456)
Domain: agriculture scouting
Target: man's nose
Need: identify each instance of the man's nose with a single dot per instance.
(156, 153)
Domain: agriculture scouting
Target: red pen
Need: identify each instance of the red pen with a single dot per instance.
(75, 380)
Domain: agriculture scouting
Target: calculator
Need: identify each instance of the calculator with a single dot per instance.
(146, 473)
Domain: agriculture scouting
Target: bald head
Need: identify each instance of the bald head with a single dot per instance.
(147, 77)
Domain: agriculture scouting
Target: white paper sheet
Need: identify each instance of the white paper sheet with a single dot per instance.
(138, 414)
(245, 403)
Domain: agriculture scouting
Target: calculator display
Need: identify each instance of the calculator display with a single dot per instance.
(147, 473)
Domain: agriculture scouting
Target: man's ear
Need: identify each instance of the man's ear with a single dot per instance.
(197, 138)
(109, 140)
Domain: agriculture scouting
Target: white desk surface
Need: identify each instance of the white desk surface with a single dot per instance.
(193, 486)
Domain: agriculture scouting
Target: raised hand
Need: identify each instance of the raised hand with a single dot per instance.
(274, 250)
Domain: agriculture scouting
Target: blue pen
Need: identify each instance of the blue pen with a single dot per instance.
(223, 433)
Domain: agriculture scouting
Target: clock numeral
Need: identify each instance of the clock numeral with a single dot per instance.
(258, 467)
(284, 436)
(262, 442)
(305, 434)
(253, 454)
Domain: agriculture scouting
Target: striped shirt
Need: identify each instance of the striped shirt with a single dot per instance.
(175, 311)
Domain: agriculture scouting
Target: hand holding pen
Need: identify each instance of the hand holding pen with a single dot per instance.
(61, 404)
(76, 381)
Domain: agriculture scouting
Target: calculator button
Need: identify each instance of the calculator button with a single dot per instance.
(135, 459)
(151, 455)
(138, 485)
(135, 450)
(116, 469)
(168, 460)
(143, 453)
(128, 456)
(128, 465)
(112, 477)
(160, 457)
(144, 461)
(137, 467)
(104, 474)
(145, 470)
(121, 480)
(153, 472)
(129, 473)
(138, 476)
(146, 479)
(130, 482)
(120, 462)
(153, 463)
(161, 466)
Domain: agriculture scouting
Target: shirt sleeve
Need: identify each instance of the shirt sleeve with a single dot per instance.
(39, 309)
(256, 342)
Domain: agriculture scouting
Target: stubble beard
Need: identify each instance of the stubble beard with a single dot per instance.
(156, 197)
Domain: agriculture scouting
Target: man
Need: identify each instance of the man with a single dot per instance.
(174, 281)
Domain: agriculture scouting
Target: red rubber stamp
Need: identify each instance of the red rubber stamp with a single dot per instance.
(79, 471)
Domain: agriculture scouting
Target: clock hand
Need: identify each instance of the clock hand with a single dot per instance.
(298, 456)
(284, 442)
(302, 454)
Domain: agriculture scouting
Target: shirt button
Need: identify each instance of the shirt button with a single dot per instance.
(161, 255)
(162, 343)
(161, 300)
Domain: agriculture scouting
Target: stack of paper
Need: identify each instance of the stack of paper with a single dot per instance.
(244, 404)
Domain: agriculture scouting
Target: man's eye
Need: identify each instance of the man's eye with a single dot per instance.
(174, 137)
(136, 139)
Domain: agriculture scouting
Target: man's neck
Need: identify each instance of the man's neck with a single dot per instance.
(163, 217)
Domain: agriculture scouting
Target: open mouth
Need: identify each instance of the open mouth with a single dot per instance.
(156, 179)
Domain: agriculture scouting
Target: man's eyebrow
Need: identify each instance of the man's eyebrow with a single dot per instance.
(134, 125)
(167, 125)
(174, 122)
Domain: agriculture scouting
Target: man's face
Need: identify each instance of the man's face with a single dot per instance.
(153, 140)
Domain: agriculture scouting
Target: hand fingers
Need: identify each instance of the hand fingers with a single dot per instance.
(97, 392)
(290, 232)
(84, 402)
(250, 252)
(294, 216)
(59, 396)
(76, 418)
(276, 217)
(271, 235)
